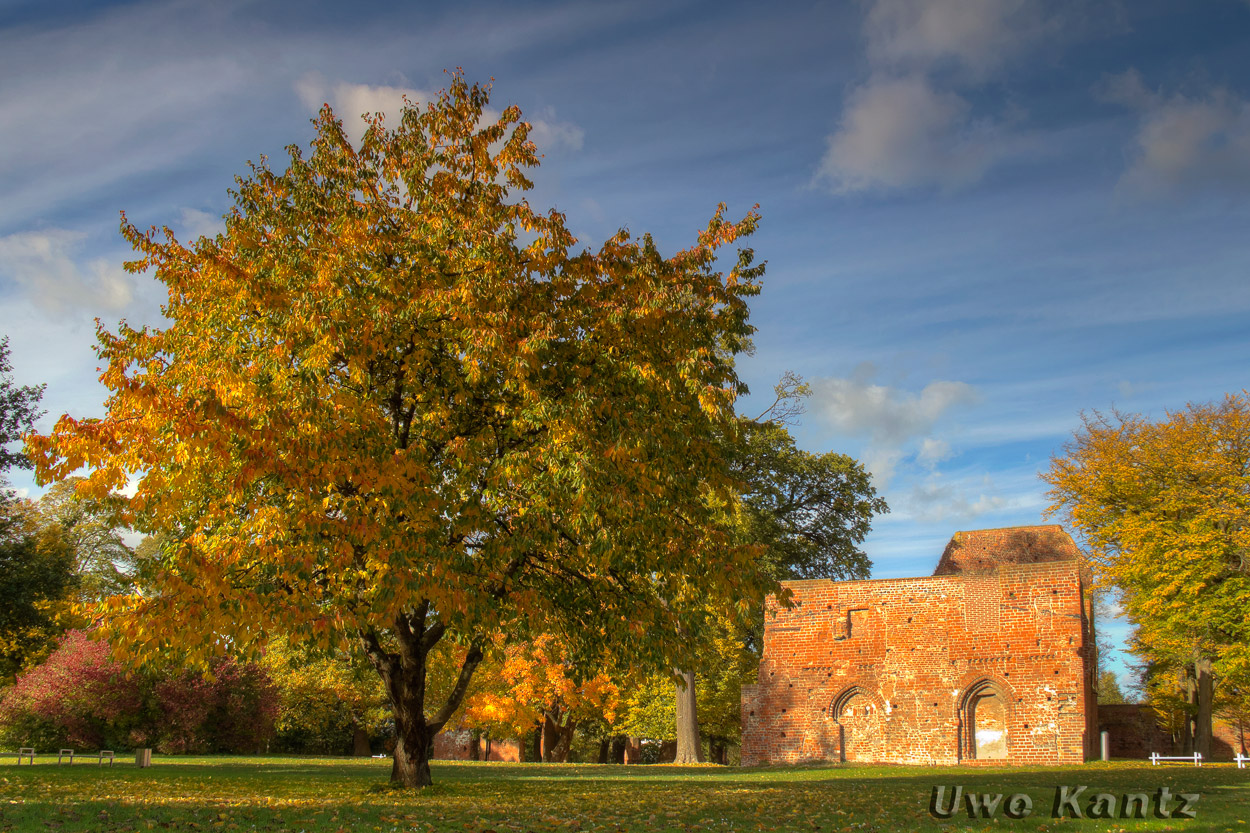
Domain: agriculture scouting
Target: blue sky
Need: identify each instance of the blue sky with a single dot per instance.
(981, 217)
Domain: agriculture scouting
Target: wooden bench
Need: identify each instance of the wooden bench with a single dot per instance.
(1155, 757)
(25, 752)
(100, 757)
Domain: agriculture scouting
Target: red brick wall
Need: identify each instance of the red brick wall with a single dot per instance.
(1134, 732)
(457, 745)
(885, 670)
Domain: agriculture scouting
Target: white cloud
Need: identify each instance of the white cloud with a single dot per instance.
(196, 224)
(889, 415)
(933, 451)
(902, 132)
(1184, 142)
(979, 35)
(42, 263)
(549, 132)
(881, 463)
(936, 500)
(899, 129)
(891, 418)
(349, 101)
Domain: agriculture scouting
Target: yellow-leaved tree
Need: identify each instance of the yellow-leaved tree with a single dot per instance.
(535, 684)
(392, 408)
(1164, 507)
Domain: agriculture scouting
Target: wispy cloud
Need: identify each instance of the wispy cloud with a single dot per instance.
(195, 224)
(901, 128)
(902, 132)
(893, 419)
(937, 500)
(1184, 142)
(979, 35)
(43, 263)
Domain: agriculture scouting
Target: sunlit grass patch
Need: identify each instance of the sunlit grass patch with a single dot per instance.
(272, 793)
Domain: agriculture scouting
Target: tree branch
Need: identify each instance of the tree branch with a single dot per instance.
(471, 660)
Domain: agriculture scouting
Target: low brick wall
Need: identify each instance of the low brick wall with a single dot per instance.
(1134, 732)
(459, 745)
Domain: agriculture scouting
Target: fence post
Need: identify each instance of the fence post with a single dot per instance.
(1106, 745)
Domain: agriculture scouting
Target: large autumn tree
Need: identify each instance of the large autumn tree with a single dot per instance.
(1164, 507)
(393, 407)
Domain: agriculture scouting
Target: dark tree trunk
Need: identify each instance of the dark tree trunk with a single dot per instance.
(689, 748)
(1206, 696)
(557, 739)
(604, 748)
(411, 765)
(618, 749)
(1187, 724)
(550, 738)
(360, 743)
(403, 674)
(538, 744)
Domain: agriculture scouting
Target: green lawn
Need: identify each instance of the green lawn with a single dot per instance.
(332, 794)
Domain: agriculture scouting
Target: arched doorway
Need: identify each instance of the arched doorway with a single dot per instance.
(859, 721)
(983, 723)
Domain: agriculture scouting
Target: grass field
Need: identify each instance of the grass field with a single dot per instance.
(336, 794)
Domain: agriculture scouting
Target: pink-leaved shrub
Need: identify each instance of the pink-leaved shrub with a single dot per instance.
(82, 698)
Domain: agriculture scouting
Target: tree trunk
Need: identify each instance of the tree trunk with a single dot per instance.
(557, 740)
(360, 743)
(689, 748)
(1206, 695)
(550, 738)
(604, 748)
(403, 674)
(618, 749)
(1187, 724)
(411, 766)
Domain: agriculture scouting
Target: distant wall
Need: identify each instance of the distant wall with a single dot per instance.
(459, 745)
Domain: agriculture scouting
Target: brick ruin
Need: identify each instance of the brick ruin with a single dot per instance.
(990, 659)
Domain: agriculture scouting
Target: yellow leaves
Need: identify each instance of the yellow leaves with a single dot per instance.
(1164, 507)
